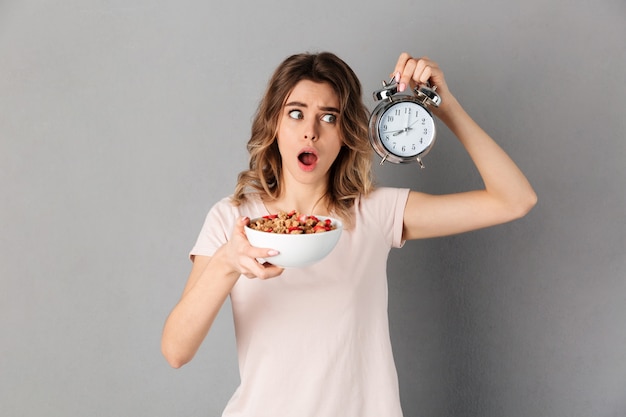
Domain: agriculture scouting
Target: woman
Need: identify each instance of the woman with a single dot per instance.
(314, 341)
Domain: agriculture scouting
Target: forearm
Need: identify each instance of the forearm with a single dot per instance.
(191, 319)
(503, 180)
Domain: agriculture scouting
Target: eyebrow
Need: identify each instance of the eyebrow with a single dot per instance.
(299, 104)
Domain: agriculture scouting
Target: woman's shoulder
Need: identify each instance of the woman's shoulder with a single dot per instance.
(382, 211)
(251, 206)
(382, 195)
(381, 204)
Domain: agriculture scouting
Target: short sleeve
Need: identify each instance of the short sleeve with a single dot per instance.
(382, 212)
(402, 195)
(217, 227)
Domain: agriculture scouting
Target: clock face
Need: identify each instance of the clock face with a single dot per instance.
(406, 129)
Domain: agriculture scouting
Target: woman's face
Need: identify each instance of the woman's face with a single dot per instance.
(309, 137)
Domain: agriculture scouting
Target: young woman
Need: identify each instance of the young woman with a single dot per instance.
(315, 341)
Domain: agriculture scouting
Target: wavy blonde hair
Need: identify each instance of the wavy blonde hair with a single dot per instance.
(350, 174)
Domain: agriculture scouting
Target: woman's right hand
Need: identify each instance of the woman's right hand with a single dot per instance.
(243, 257)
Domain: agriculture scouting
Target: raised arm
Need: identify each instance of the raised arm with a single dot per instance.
(507, 194)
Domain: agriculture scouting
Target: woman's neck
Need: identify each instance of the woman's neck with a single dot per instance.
(304, 199)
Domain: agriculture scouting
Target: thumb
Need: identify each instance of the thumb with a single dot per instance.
(238, 228)
(241, 222)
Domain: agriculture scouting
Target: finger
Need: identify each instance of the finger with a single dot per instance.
(400, 64)
(404, 65)
(423, 71)
(254, 252)
(410, 71)
(265, 270)
(251, 267)
(253, 263)
(271, 270)
(406, 76)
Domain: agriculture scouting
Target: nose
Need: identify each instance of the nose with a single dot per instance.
(311, 131)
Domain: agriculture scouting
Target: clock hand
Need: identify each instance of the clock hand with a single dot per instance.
(397, 132)
(414, 122)
(406, 129)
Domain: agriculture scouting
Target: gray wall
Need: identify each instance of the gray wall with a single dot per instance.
(121, 122)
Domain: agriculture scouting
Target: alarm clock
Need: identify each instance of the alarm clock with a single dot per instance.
(401, 127)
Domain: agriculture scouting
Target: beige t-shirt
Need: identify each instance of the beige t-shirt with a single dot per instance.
(314, 342)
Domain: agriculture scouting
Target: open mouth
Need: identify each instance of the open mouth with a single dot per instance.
(307, 158)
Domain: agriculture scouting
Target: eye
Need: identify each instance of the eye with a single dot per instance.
(295, 114)
(329, 118)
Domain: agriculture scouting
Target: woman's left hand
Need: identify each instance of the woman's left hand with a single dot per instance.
(411, 71)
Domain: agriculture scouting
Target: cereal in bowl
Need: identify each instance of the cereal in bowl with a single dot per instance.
(293, 223)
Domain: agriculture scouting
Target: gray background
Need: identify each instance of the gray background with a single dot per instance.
(121, 122)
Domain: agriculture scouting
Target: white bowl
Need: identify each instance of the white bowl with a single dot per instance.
(296, 250)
